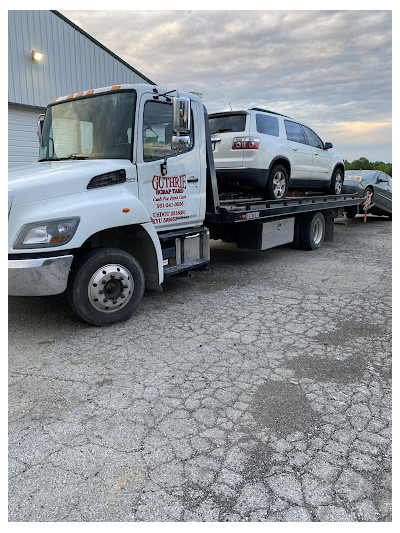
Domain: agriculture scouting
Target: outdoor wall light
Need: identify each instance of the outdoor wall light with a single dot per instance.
(37, 56)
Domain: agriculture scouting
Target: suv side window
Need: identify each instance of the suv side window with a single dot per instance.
(312, 138)
(294, 132)
(267, 125)
(157, 131)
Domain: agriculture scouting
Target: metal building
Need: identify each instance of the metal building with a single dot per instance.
(71, 61)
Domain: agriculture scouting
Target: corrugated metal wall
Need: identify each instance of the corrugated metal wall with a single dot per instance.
(72, 62)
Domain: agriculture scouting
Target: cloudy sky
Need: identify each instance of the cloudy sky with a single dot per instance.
(330, 69)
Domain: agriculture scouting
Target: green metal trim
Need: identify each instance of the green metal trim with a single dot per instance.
(77, 28)
(28, 105)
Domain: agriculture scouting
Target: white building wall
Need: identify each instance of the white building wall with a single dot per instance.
(23, 144)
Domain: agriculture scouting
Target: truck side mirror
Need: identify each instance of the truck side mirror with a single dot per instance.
(181, 116)
(40, 127)
(181, 113)
(327, 146)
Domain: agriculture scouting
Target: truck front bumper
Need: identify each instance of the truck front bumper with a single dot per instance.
(39, 276)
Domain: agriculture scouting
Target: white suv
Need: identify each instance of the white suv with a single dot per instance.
(266, 152)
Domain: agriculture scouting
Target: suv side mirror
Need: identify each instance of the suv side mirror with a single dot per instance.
(40, 127)
(327, 146)
(181, 113)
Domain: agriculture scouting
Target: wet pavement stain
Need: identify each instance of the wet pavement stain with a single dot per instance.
(325, 369)
(258, 463)
(283, 407)
(348, 332)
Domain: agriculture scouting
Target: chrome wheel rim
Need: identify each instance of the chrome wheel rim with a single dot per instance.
(318, 231)
(110, 288)
(338, 183)
(279, 184)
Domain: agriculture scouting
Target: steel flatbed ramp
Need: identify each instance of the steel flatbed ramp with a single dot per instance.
(257, 209)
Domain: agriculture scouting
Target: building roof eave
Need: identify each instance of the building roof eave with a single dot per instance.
(95, 41)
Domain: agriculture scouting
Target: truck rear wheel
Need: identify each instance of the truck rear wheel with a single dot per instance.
(105, 286)
(310, 231)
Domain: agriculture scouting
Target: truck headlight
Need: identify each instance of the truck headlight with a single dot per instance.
(47, 233)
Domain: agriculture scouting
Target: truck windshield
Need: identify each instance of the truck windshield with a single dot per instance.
(97, 127)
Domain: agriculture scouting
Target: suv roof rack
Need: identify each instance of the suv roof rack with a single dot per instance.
(267, 111)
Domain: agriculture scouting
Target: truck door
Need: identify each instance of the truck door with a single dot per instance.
(173, 199)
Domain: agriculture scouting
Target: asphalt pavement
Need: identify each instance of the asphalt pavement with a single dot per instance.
(259, 390)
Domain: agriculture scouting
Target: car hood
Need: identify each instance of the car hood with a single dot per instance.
(49, 179)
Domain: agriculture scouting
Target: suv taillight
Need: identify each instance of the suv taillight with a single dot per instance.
(246, 143)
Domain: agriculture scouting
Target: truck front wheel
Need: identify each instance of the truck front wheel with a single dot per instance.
(105, 286)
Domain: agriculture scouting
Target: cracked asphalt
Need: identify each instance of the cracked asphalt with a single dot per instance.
(257, 391)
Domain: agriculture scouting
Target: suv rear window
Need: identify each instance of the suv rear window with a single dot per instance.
(227, 123)
(267, 124)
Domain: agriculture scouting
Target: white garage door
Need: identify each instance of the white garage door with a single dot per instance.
(23, 143)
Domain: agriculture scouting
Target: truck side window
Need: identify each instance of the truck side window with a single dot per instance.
(267, 124)
(294, 132)
(157, 131)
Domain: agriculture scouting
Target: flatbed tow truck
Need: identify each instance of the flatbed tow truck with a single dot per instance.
(125, 194)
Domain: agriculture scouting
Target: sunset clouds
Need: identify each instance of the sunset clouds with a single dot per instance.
(331, 69)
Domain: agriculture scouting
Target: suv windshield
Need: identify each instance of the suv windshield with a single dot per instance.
(97, 127)
(221, 123)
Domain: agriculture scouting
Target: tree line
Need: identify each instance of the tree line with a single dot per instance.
(364, 164)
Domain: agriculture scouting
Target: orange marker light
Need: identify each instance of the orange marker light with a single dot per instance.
(70, 96)
(90, 92)
(79, 94)
(115, 87)
(126, 210)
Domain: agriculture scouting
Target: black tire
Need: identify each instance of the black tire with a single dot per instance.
(310, 231)
(336, 185)
(367, 191)
(351, 211)
(109, 273)
(277, 184)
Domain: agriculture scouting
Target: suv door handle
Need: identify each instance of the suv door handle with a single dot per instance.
(293, 148)
(315, 153)
(193, 180)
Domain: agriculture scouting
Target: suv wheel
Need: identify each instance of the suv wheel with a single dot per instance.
(337, 182)
(277, 185)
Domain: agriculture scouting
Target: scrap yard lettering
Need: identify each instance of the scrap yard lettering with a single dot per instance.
(168, 185)
(169, 199)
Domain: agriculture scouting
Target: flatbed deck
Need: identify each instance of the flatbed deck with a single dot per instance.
(235, 211)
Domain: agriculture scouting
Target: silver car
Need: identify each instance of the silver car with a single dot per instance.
(364, 182)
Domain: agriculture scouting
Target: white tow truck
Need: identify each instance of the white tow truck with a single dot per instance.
(125, 194)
